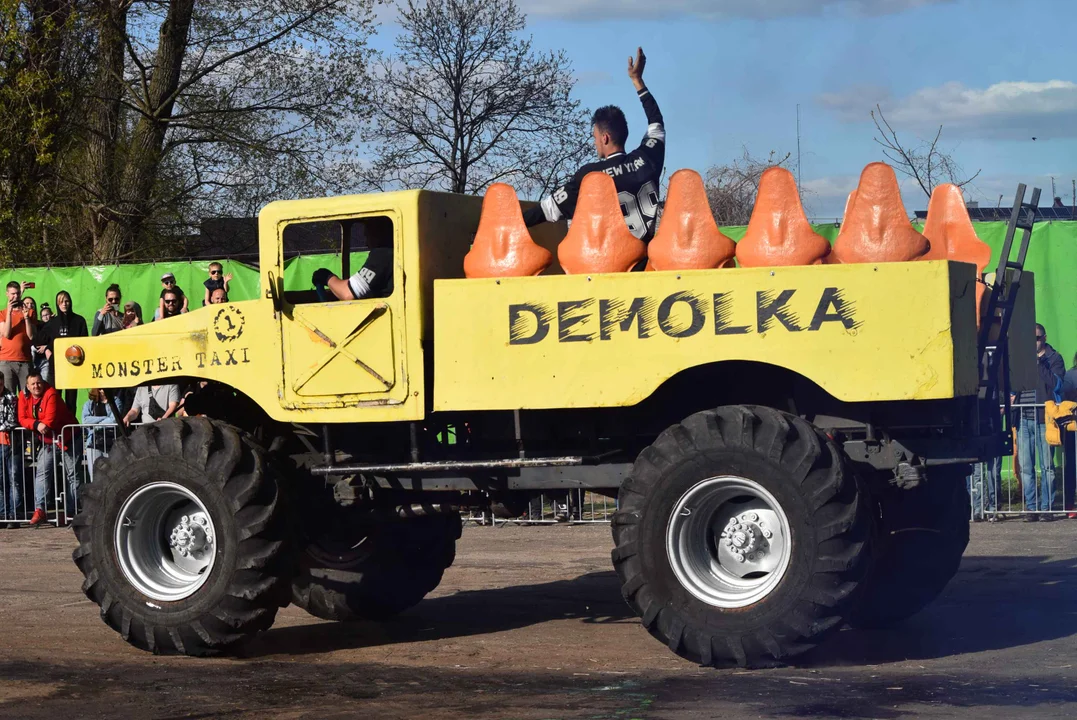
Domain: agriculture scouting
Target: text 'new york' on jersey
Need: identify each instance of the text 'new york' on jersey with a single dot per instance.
(636, 176)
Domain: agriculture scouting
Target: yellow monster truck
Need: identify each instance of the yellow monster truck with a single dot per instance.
(788, 445)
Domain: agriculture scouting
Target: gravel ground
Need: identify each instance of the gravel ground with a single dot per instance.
(529, 624)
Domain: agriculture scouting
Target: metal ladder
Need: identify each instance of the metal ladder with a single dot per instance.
(1000, 307)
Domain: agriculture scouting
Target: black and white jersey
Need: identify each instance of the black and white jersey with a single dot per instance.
(636, 176)
(375, 278)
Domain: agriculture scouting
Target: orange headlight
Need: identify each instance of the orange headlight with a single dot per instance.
(75, 355)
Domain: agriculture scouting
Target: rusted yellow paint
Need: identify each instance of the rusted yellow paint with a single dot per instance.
(862, 332)
(236, 343)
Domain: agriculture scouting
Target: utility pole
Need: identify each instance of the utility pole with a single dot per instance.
(798, 148)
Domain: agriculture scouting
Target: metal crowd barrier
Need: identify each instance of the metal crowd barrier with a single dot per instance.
(34, 473)
(1039, 479)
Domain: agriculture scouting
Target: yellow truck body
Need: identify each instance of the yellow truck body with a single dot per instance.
(440, 342)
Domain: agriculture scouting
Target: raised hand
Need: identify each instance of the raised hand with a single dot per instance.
(635, 68)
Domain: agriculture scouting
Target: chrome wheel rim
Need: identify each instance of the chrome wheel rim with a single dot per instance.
(728, 541)
(166, 542)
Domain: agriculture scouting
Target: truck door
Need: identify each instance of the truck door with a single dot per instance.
(341, 353)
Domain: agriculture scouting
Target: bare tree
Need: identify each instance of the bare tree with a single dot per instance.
(732, 188)
(466, 101)
(203, 108)
(925, 163)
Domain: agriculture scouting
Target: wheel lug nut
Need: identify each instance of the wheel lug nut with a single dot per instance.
(767, 534)
(752, 517)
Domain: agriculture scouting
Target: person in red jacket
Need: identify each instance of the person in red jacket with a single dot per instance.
(42, 411)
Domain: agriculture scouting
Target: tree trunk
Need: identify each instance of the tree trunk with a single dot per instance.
(28, 164)
(110, 20)
(147, 141)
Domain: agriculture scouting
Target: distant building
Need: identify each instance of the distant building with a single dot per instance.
(989, 214)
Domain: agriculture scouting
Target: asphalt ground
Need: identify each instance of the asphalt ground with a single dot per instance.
(529, 623)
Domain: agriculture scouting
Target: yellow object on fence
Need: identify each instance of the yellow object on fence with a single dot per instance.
(1060, 416)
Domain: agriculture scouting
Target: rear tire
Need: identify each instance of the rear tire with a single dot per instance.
(182, 538)
(675, 565)
(360, 570)
(924, 533)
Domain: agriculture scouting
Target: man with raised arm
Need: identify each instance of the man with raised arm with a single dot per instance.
(636, 174)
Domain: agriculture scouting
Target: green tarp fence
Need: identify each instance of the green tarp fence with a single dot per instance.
(141, 282)
(1052, 257)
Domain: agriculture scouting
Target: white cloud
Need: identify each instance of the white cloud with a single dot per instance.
(834, 187)
(712, 9)
(592, 77)
(1006, 110)
(824, 197)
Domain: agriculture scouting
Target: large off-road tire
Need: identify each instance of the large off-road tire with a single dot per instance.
(364, 570)
(194, 485)
(922, 535)
(771, 487)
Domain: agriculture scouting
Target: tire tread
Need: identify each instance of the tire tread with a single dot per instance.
(265, 562)
(836, 506)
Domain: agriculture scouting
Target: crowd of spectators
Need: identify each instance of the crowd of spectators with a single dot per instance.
(29, 401)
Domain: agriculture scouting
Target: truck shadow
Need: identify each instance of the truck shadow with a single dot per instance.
(995, 602)
(591, 598)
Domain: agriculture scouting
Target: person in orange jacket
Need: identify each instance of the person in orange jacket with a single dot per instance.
(43, 412)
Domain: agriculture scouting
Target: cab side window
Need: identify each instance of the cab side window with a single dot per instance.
(358, 250)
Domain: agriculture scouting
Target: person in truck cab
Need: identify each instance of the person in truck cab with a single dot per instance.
(635, 175)
(375, 278)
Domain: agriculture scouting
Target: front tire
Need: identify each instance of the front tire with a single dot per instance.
(741, 537)
(182, 538)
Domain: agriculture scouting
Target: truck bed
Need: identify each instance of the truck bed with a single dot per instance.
(896, 331)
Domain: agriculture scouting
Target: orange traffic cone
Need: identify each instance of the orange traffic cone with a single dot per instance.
(876, 227)
(503, 247)
(598, 241)
(688, 238)
(952, 237)
(778, 232)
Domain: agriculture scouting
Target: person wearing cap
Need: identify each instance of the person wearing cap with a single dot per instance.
(168, 284)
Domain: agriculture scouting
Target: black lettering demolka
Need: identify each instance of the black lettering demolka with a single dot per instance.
(530, 323)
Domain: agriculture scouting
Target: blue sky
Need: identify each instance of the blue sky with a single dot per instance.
(730, 73)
